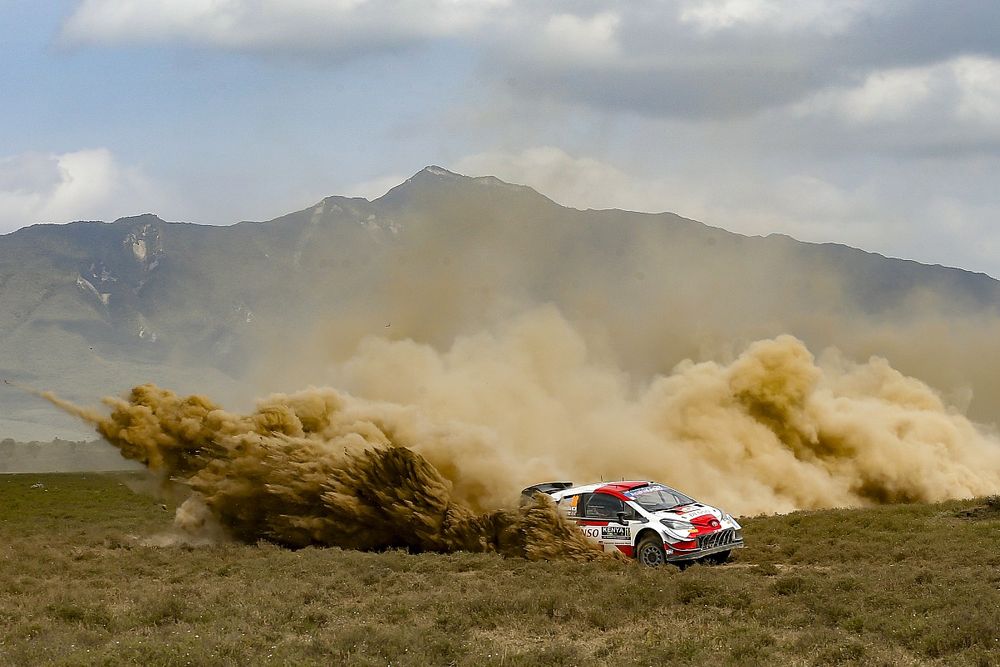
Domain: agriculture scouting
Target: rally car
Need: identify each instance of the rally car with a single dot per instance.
(651, 522)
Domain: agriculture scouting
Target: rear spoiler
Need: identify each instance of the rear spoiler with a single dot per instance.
(545, 487)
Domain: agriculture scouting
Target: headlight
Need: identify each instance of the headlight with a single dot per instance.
(677, 525)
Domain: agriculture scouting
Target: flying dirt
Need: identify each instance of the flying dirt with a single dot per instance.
(429, 449)
(310, 469)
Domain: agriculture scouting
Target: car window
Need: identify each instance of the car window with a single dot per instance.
(631, 514)
(602, 506)
(570, 505)
(656, 497)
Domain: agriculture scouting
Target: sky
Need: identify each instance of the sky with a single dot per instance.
(874, 123)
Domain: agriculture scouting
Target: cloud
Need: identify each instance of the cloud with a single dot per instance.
(577, 38)
(337, 27)
(885, 96)
(964, 89)
(81, 185)
(951, 108)
(868, 122)
(696, 58)
(740, 58)
(826, 16)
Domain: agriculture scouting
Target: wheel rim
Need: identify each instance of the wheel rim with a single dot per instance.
(651, 556)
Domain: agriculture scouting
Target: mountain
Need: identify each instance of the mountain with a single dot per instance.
(89, 308)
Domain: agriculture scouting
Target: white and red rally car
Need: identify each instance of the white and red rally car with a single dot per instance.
(649, 521)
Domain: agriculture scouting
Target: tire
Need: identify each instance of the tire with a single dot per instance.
(719, 558)
(650, 551)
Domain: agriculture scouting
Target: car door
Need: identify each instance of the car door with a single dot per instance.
(635, 522)
(573, 507)
(590, 525)
(599, 520)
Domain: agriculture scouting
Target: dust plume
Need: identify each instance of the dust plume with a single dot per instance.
(430, 448)
(318, 467)
(645, 291)
(776, 429)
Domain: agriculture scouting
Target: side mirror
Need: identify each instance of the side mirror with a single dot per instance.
(621, 519)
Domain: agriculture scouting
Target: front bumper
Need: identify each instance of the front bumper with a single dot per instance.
(675, 555)
(706, 545)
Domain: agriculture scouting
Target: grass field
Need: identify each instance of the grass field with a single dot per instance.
(910, 584)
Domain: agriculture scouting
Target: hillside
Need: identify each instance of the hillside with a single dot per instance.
(90, 308)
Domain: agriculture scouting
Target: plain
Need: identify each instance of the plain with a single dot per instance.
(82, 583)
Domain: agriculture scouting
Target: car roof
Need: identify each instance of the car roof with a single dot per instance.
(616, 489)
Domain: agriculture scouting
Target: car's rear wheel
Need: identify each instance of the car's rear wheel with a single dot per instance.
(650, 551)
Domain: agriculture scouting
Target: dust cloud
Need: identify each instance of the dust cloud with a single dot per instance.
(774, 430)
(427, 449)
(321, 468)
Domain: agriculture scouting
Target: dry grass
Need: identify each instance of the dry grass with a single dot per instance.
(912, 584)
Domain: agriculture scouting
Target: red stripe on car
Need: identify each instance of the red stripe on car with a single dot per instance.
(620, 487)
(706, 523)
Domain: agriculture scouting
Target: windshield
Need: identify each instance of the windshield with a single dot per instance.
(656, 497)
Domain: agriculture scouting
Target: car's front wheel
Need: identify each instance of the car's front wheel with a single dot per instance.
(650, 551)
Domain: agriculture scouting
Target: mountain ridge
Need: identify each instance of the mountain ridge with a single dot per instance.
(438, 172)
(92, 307)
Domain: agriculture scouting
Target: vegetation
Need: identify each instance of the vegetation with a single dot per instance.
(907, 584)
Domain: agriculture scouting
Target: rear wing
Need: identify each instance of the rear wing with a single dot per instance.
(545, 487)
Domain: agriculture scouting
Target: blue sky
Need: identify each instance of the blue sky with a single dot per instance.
(870, 123)
(187, 115)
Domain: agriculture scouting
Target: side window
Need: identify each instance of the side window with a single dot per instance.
(570, 506)
(602, 506)
(631, 514)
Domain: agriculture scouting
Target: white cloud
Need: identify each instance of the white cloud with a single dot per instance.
(886, 96)
(692, 58)
(578, 38)
(963, 89)
(869, 122)
(827, 16)
(317, 25)
(978, 80)
(81, 185)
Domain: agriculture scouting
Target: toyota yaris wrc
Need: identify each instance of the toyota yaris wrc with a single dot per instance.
(649, 521)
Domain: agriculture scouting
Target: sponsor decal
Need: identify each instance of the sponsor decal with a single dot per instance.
(692, 513)
(615, 533)
(592, 531)
(646, 489)
(569, 505)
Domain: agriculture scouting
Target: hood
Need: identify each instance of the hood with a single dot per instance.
(696, 513)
